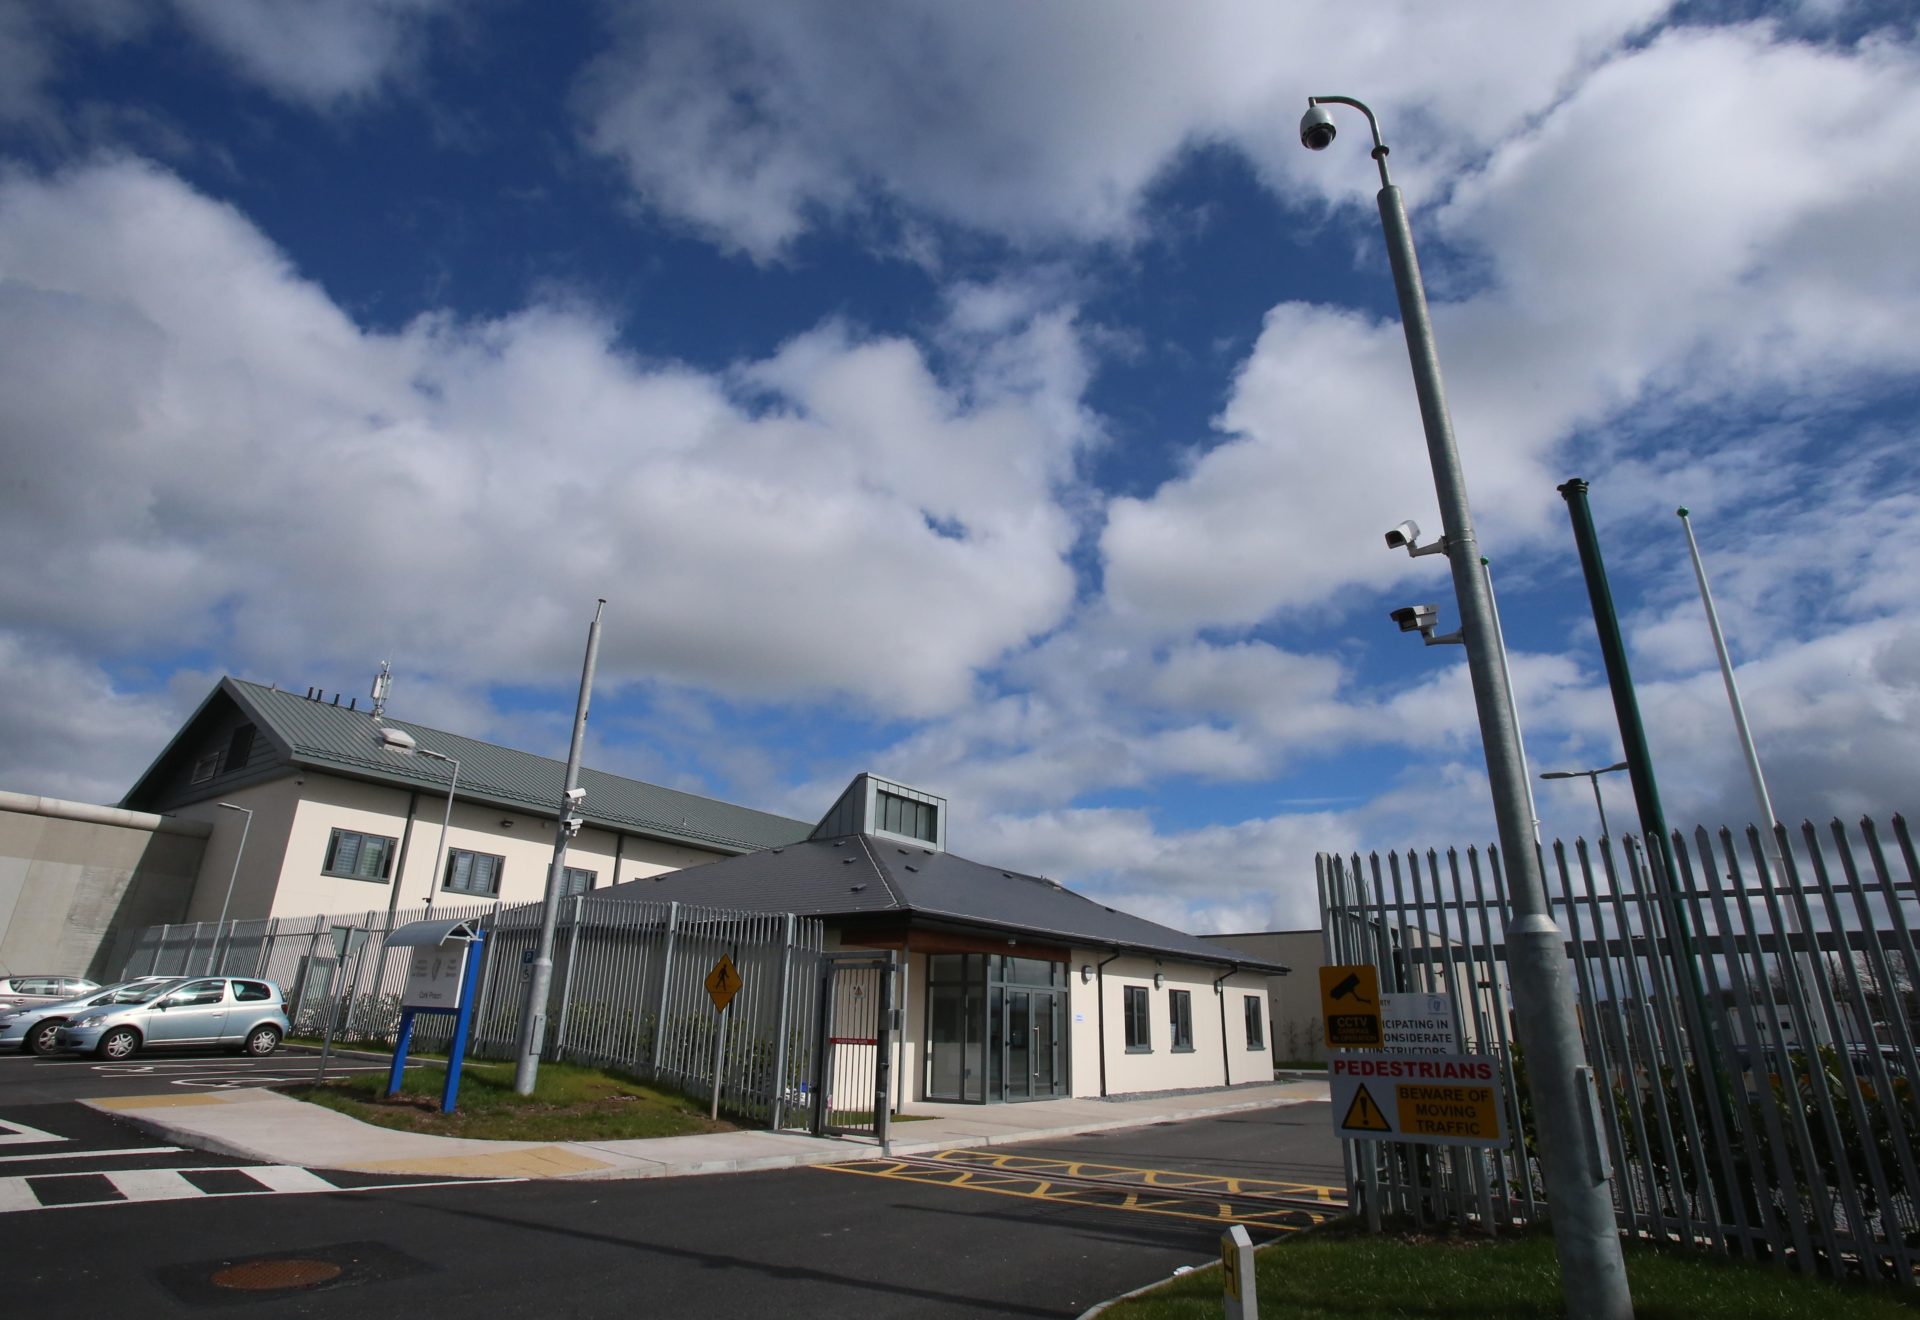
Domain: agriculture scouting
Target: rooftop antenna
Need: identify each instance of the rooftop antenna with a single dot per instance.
(381, 682)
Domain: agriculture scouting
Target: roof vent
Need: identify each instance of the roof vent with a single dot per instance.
(854, 889)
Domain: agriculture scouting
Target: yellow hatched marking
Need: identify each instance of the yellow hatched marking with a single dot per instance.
(1012, 1175)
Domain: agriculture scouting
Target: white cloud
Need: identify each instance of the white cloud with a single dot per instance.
(316, 53)
(755, 123)
(209, 449)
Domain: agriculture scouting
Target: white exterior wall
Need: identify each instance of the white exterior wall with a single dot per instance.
(1214, 1060)
(281, 873)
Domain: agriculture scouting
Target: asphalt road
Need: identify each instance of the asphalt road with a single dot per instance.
(798, 1243)
(27, 1079)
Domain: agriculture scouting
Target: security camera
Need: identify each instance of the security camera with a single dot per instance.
(1416, 618)
(1316, 129)
(1405, 534)
(572, 825)
(576, 794)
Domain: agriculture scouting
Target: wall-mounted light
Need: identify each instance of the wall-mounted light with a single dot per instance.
(1086, 973)
(1159, 980)
(506, 824)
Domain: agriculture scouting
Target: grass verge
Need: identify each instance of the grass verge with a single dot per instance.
(1339, 1270)
(569, 1103)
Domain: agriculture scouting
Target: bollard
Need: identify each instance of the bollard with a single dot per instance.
(1236, 1269)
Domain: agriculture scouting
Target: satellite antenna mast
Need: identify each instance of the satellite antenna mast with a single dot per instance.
(381, 682)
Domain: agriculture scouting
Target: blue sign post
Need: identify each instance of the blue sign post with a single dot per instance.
(441, 977)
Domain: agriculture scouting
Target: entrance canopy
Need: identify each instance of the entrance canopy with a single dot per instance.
(429, 934)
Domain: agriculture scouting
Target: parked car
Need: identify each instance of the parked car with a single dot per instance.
(34, 1027)
(22, 991)
(203, 1011)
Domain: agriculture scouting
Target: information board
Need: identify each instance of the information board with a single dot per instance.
(1418, 1024)
(433, 977)
(1439, 1100)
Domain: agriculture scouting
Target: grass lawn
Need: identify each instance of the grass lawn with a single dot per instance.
(1342, 1271)
(569, 1103)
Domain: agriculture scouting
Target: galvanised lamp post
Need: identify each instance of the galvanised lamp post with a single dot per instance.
(1565, 1104)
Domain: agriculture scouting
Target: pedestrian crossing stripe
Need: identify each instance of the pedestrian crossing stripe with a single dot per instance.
(1363, 1115)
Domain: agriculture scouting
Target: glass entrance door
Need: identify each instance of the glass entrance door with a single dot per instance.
(1019, 1045)
(1032, 1035)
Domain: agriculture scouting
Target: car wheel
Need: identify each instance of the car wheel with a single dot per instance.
(120, 1043)
(262, 1041)
(45, 1037)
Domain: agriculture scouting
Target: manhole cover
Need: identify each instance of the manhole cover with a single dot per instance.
(250, 1280)
(275, 1275)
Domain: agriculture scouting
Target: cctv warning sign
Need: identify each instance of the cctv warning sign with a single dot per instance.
(1350, 1006)
(1435, 1099)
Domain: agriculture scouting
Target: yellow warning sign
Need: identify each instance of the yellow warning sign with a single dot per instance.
(1448, 1111)
(1350, 1006)
(1363, 1115)
(723, 983)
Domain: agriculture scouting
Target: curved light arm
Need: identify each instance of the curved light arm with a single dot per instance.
(1379, 147)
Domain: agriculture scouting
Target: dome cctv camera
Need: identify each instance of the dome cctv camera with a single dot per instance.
(1316, 128)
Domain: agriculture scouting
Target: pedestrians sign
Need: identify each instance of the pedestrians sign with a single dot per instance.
(1436, 1099)
(1363, 1115)
(1419, 1024)
(723, 983)
(1350, 1006)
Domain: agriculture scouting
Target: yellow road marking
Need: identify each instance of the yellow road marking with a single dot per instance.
(1181, 1193)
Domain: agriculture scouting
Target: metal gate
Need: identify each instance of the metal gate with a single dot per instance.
(853, 1045)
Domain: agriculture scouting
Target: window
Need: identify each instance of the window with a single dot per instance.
(206, 767)
(577, 881)
(1139, 1034)
(901, 815)
(474, 872)
(358, 856)
(248, 992)
(1180, 1010)
(240, 747)
(198, 993)
(1256, 1025)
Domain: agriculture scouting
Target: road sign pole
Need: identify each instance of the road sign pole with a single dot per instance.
(719, 1058)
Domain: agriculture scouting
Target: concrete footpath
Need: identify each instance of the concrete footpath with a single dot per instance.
(259, 1124)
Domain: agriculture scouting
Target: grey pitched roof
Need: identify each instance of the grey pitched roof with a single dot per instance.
(330, 737)
(859, 874)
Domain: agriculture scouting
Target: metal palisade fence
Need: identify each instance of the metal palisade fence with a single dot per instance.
(1752, 1026)
(628, 991)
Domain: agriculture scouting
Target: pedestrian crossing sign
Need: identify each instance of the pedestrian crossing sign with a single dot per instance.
(1363, 1115)
(723, 983)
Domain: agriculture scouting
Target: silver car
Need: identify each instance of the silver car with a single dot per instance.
(26, 990)
(36, 1027)
(200, 1011)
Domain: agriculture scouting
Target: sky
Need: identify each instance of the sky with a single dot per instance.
(994, 397)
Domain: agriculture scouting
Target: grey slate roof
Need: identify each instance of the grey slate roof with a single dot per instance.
(859, 874)
(330, 737)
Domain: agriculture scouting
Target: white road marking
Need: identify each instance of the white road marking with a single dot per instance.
(93, 1154)
(152, 1185)
(16, 1195)
(289, 1178)
(19, 1134)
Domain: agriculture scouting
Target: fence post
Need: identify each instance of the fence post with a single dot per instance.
(666, 976)
(778, 1099)
(566, 983)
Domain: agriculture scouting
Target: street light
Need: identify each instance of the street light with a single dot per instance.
(1592, 777)
(1586, 1235)
(227, 902)
(401, 741)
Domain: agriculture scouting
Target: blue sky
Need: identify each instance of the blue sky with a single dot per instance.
(992, 396)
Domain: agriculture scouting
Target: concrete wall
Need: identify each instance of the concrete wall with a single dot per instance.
(74, 876)
(1293, 1002)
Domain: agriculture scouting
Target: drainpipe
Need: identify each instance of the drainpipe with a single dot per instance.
(1226, 1062)
(1100, 1013)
